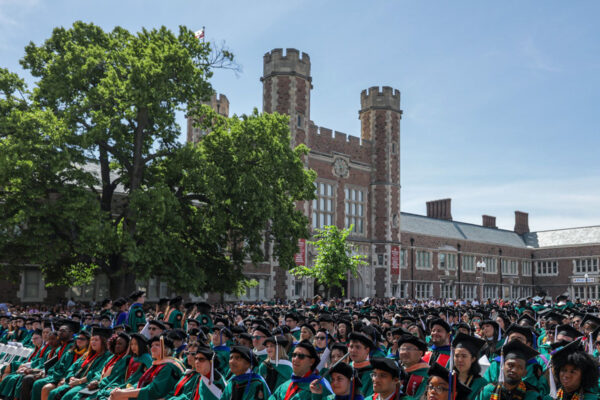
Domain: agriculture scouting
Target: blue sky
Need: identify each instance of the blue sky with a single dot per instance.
(500, 99)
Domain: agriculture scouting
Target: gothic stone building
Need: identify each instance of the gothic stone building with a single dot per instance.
(418, 256)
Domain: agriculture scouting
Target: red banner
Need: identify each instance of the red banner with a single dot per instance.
(300, 257)
(395, 261)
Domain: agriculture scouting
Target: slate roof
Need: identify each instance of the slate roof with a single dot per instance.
(423, 225)
(564, 237)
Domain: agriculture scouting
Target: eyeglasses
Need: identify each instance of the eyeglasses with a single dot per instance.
(320, 337)
(300, 356)
(437, 389)
(189, 353)
(200, 359)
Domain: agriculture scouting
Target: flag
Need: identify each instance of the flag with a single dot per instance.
(199, 34)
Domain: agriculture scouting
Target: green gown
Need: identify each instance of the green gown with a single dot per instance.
(486, 393)
(586, 396)
(366, 383)
(54, 374)
(222, 354)
(418, 373)
(476, 386)
(176, 319)
(247, 388)
(161, 384)
(91, 371)
(296, 333)
(134, 369)
(107, 377)
(184, 388)
(11, 384)
(303, 394)
(136, 316)
(208, 391)
(541, 384)
(275, 375)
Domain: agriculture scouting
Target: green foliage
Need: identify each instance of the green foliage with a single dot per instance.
(94, 178)
(334, 258)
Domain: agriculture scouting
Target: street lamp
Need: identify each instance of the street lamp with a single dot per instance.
(587, 288)
(481, 267)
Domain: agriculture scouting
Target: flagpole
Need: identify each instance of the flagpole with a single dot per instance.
(203, 34)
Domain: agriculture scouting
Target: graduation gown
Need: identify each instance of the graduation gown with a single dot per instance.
(185, 386)
(416, 381)
(300, 387)
(134, 368)
(207, 391)
(159, 379)
(112, 372)
(476, 385)
(248, 386)
(486, 393)
(84, 367)
(364, 373)
(273, 374)
(440, 354)
(175, 318)
(65, 358)
(533, 369)
(136, 316)
(222, 354)
(11, 384)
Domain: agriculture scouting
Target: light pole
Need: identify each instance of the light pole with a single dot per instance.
(481, 267)
(587, 288)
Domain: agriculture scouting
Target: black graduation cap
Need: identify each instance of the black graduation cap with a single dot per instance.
(555, 316)
(592, 319)
(309, 327)
(263, 329)
(175, 301)
(460, 390)
(140, 338)
(104, 317)
(523, 330)
(158, 324)
(412, 339)
(363, 338)
(136, 294)
(567, 330)
(518, 349)
(325, 317)
(342, 368)
(490, 322)
(560, 355)
(439, 322)
(167, 342)
(280, 340)
(74, 326)
(525, 319)
(561, 297)
(293, 316)
(102, 332)
(203, 307)
(224, 331)
(246, 336)
(163, 301)
(119, 302)
(311, 350)
(471, 343)
(399, 331)
(386, 364)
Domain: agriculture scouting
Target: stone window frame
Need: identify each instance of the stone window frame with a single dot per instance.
(318, 211)
(526, 267)
(493, 288)
(506, 265)
(447, 256)
(348, 203)
(403, 258)
(489, 263)
(466, 288)
(590, 267)
(547, 267)
(445, 287)
(472, 264)
(417, 262)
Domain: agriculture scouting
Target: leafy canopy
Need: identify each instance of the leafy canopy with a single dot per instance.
(334, 258)
(95, 179)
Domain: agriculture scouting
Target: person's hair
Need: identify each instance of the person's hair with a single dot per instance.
(112, 342)
(583, 362)
(142, 346)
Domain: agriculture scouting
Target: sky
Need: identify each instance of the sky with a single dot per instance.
(500, 99)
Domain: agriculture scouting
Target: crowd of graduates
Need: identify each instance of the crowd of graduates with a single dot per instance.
(531, 349)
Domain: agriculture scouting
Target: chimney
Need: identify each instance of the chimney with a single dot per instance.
(521, 222)
(439, 209)
(489, 221)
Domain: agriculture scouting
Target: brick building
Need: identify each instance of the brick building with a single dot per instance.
(358, 184)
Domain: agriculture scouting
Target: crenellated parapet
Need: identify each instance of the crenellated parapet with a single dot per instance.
(325, 140)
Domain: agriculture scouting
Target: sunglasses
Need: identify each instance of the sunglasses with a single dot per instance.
(300, 356)
(320, 337)
(200, 359)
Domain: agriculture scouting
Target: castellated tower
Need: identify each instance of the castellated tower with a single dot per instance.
(220, 104)
(380, 116)
(286, 88)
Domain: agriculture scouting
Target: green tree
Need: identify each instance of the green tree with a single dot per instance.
(334, 259)
(94, 177)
